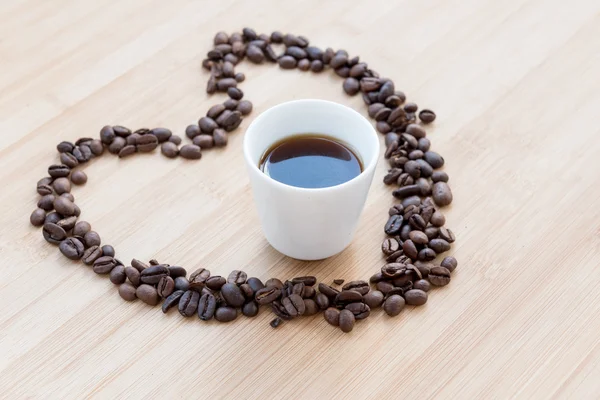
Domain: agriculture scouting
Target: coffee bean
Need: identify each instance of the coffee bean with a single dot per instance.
(418, 237)
(166, 286)
(393, 225)
(181, 283)
(38, 217)
(71, 248)
(69, 160)
(415, 155)
(83, 153)
(373, 299)
(172, 300)
(441, 193)
(393, 270)
(415, 297)
(65, 147)
(235, 93)
(237, 277)
(225, 314)
(434, 159)
(215, 111)
(127, 292)
(61, 185)
(447, 235)
(103, 265)
(232, 294)
(328, 291)
(190, 152)
(384, 287)
(152, 275)
(346, 297)
(207, 305)
(198, 278)
(393, 305)
(424, 186)
(170, 150)
(423, 144)
(439, 245)
(133, 275)
(117, 275)
(44, 190)
(127, 151)
(78, 178)
(406, 191)
(416, 131)
(439, 176)
(67, 223)
(439, 276)
(213, 282)
(351, 86)
(147, 294)
(59, 170)
(426, 254)
(146, 143)
(410, 249)
(427, 116)
(417, 222)
(247, 291)
(359, 310)
(449, 263)
(306, 280)
(91, 238)
(422, 284)
(188, 303)
(274, 282)
(411, 107)
(117, 145)
(297, 288)
(346, 321)
(64, 206)
(220, 38)
(361, 287)
(389, 246)
(267, 295)
(423, 267)
(396, 209)
(294, 305)
(322, 301)
(255, 283)
(81, 228)
(332, 316)
(255, 54)
(287, 62)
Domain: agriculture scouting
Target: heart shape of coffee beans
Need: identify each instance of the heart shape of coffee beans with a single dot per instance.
(415, 228)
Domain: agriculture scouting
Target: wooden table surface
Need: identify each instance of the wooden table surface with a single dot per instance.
(516, 86)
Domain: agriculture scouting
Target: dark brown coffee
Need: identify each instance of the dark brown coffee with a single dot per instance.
(310, 161)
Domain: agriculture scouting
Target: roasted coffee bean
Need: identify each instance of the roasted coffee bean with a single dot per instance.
(386, 90)
(220, 138)
(426, 254)
(373, 299)
(68, 196)
(404, 179)
(306, 280)
(152, 275)
(249, 34)
(127, 292)
(424, 144)
(165, 286)
(255, 54)
(393, 305)
(346, 297)
(422, 284)
(215, 111)
(441, 193)
(418, 237)
(65, 147)
(410, 249)
(411, 210)
(434, 159)
(447, 235)
(244, 107)
(67, 223)
(92, 254)
(377, 277)
(207, 306)
(225, 314)
(69, 160)
(222, 86)
(294, 305)
(117, 145)
(232, 294)
(351, 86)
(370, 84)
(417, 222)
(396, 209)
(237, 277)
(58, 170)
(176, 271)
(416, 131)
(358, 70)
(121, 131)
(91, 238)
(104, 264)
(267, 295)
(415, 155)
(322, 301)
(235, 93)
(390, 246)
(316, 66)
(170, 150)
(346, 320)
(255, 283)
(439, 245)
(360, 310)
(250, 309)
(145, 143)
(361, 287)
(133, 275)
(198, 278)
(424, 267)
(192, 131)
(449, 263)
(427, 116)
(38, 217)
(406, 191)
(425, 186)
(392, 175)
(53, 233)
(64, 206)
(215, 282)
(188, 303)
(279, 310)
(127, 151)
(181, 283)
(83, 153)
(274, 282)
(190, 152)
(276, 322)
(411, 107)
(439, 176)
(117, 275)
(328, 291)
(296, 52)
(311, 307)
(411, 201)
(61, 185)
(393, 225)
(220, 38)
(72, 248)
(373, 109)
(415, 297)
(247, 291)
(338, 281)
(332, 316)
(172, 300)
(393, 270)
(207, 125)
(44, 190)
(297, 288)
(439, 276)
(405, 232)
(137, 264)
(287, 62)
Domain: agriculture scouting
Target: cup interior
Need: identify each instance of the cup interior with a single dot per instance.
(312, 117)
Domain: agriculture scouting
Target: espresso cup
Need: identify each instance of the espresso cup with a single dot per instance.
(304, 223)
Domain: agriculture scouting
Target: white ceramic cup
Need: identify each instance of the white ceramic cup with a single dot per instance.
(302, 223)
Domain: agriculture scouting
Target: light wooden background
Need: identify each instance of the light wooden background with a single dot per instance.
(516, 86)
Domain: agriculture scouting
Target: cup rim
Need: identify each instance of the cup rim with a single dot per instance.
(364, 173)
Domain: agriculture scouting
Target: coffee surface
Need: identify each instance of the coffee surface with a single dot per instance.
(310, 161)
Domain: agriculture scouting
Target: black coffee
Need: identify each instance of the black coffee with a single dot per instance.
(310, 161)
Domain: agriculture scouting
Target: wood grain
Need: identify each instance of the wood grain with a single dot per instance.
(516, 86)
